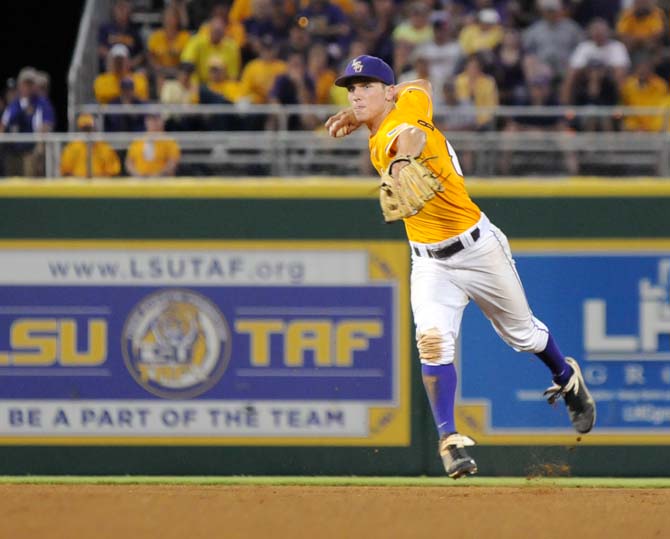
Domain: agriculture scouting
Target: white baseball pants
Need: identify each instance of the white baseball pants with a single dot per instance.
(483, 271)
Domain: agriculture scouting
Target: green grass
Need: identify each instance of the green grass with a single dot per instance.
(575, 482)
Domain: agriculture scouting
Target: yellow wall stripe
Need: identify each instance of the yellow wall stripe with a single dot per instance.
(322, 188)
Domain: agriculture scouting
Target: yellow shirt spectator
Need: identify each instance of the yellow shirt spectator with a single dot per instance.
(74, 160)
(339, 96)
(258, 77)
(240, 11)
(485, 34)
(648, 26)
(653, 93)
(230, 89)
(482, 91)
(323, 84)
(234, 30)
(167, 52)
(107, 86)
(152, 157)
(200, 49)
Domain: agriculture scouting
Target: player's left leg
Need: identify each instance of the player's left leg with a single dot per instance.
(493, 283)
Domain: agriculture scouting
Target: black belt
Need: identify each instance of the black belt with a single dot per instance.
(450, 249)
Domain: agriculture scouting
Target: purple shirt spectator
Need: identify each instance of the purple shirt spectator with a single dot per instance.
(295, 87)
(325, 22)
(32, 114)
(120, 30)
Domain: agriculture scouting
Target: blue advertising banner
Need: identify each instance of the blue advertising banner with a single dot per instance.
(191, 344)
(610, 310)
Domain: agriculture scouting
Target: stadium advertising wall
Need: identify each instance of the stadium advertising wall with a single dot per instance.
(210, 342)
(608, 304)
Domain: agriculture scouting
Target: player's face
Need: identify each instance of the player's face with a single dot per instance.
(368, 99)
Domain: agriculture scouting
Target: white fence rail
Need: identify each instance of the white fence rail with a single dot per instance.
(574, 115)
(301, 153)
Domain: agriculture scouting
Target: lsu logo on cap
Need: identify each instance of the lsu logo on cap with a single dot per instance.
(357, 65)
(176, 344)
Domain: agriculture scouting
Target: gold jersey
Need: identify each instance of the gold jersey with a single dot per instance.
(452, 211)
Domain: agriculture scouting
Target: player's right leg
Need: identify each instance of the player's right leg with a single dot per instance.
(438, 306)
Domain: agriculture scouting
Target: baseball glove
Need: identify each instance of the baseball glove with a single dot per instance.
(408, 194)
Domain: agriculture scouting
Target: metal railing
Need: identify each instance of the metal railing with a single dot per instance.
(296, 153)
(84, 65)
(575, 115)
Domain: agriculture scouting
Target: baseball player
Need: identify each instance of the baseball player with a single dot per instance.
(457, 253)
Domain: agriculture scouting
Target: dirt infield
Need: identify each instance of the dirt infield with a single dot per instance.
(273, 512)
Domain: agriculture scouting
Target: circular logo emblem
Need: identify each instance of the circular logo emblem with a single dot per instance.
(176, 344)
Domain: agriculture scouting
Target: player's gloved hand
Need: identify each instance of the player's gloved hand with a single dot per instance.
(406, 192)
(342, 124)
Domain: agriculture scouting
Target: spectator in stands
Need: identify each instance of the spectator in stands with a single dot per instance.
(444, 55)
(259, 75)
(201, 47)
(182, 7)
(120, 31)
(326, 23)
(641, 28)
(299, 40)
(483, 36)
(599, 47)
(153, 156)
(184, 90)
(643, 88)
(362, 23)
(294, 87)
(380, 43)
(241, 10)
(107, 86)
(165, 46)
(553, 38)
(200, 11)
(538, 94)
(476, 87)
(268, 17)
(43, 83)
(584, 11)
(125, 122)
(520, 13)
(87, 158)
(508, 68)
(541, 94)
(321, 73)
(233, 30)
(595, 86)
(417, 29)
(460, 115)
(420, 68)
(27, 113)
(219, 83)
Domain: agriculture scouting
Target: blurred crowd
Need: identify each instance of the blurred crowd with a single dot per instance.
(478, 54)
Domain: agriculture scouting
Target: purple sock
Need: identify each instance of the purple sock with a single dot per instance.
(440, 384)
(552, 357)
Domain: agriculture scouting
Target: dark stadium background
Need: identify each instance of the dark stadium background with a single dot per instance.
(41, 34)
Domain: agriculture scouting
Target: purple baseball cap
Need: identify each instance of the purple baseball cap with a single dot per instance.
(367, 67)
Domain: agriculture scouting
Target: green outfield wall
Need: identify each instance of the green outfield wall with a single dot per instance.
(601, 215)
